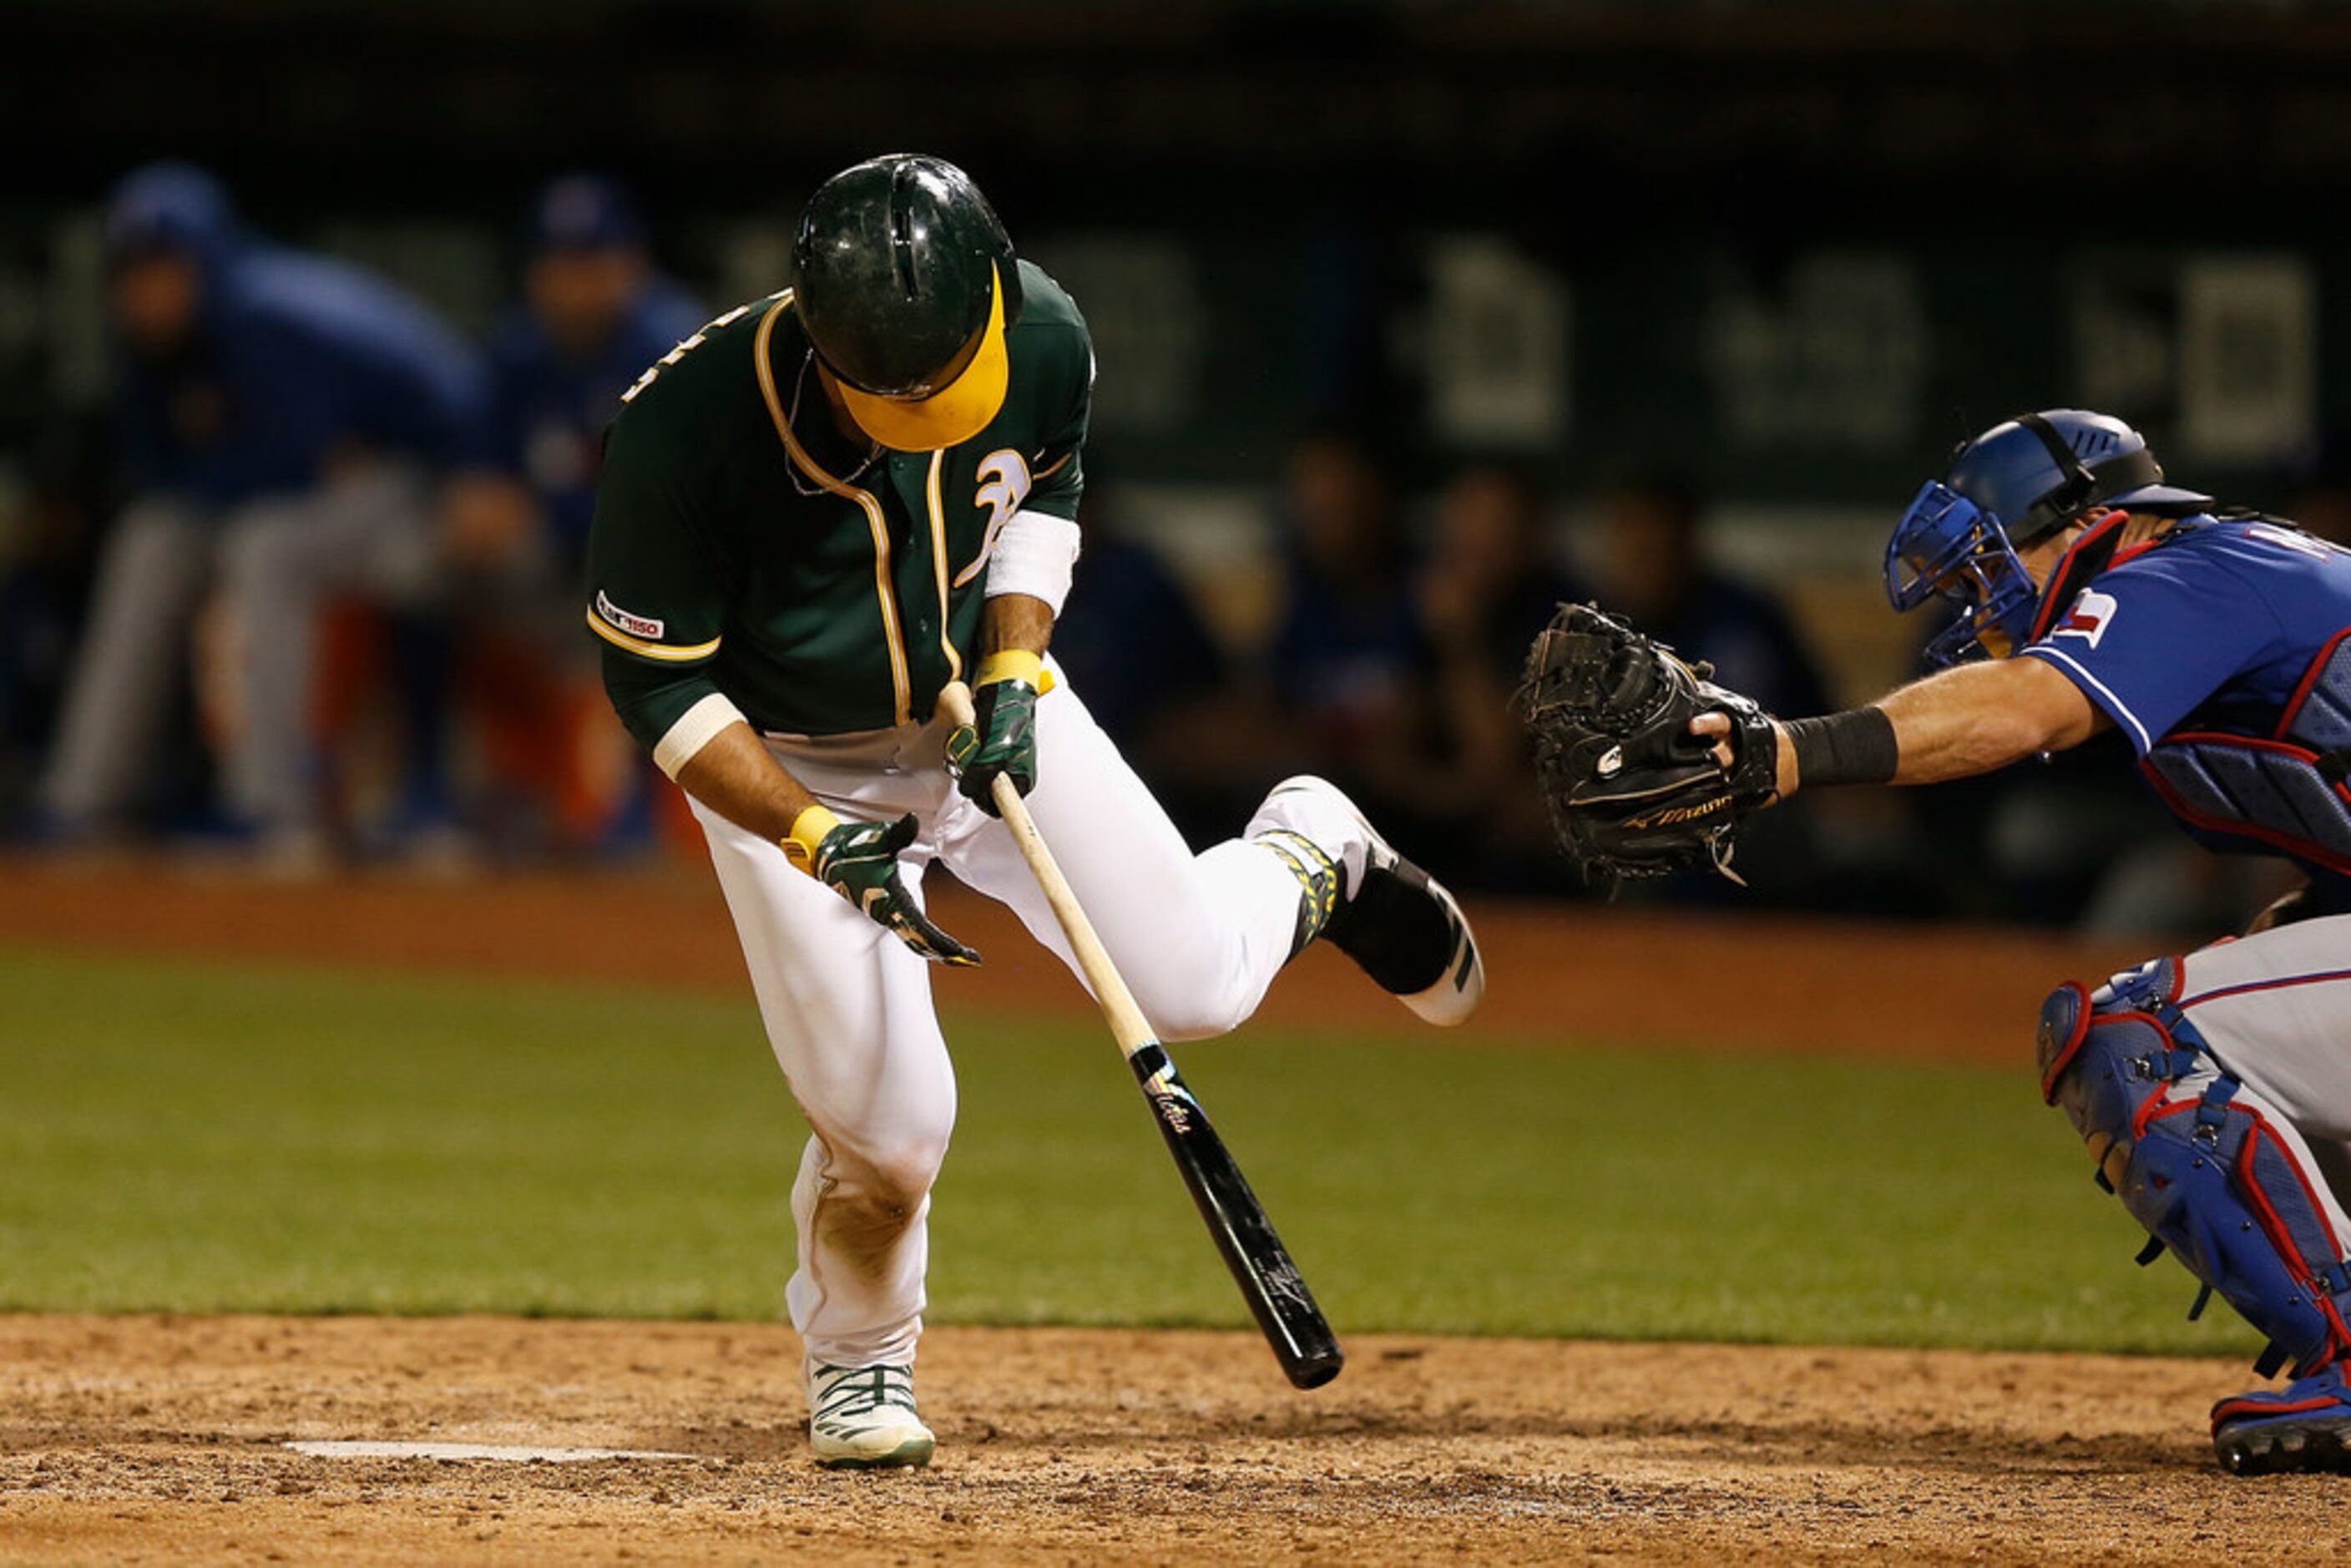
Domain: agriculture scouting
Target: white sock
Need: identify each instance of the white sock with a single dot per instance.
(1318, 813)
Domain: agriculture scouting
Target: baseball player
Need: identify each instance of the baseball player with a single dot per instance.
(814, 514)
(2214, 1089)
(284, 418)
(595, 310)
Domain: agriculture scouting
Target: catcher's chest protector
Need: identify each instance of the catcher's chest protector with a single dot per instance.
(2286, 792)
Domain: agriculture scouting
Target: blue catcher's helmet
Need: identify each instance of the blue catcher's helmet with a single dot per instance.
(2009, 489)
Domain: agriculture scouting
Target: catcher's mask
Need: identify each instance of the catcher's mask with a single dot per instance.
(906, 285)
(2009, 488)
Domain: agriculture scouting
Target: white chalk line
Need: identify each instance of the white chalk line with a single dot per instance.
(500, 1453)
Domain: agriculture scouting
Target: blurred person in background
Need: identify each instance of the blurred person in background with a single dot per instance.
(595, 313)
(1490, 583)
(282, 418)
(1652, 567)
(1346, 640)
(1133, 640)
(1653, 570)
(2322, 492)
(48, 554)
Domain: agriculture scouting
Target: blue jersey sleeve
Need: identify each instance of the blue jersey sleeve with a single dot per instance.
(418, 387)
(2150, 641)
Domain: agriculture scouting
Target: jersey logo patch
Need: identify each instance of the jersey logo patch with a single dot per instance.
(2091, 615)
(620, 620)
(1007, 485)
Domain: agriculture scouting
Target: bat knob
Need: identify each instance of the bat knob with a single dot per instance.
(954, 703)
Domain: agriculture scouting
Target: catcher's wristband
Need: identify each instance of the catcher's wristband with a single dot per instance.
(1012, 664)
(806, 838)
(1855, 747)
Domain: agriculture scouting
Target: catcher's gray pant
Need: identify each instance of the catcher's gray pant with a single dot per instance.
(847, 1007)
(2276, 1010)
(269, 563)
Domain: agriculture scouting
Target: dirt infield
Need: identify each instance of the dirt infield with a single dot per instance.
(1557, 973)
(161, 1440)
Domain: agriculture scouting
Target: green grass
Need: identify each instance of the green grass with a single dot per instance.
(206, 1138)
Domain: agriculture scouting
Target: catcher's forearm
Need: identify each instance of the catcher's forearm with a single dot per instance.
(1978, 718)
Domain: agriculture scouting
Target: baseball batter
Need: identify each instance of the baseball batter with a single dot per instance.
(2214, 1089)
(814, 514)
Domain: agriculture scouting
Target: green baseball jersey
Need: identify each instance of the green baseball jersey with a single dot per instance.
(743, 545)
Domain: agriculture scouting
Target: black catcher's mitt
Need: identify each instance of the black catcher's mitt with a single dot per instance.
(1632, 792)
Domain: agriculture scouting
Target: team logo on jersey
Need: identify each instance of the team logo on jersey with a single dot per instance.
(2091, 615)
(612, 615)
(1004, 484)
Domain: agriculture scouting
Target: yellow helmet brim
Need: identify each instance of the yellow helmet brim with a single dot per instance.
(952, 414)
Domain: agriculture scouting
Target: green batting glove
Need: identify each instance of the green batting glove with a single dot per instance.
(859, 860)
(1001, 739)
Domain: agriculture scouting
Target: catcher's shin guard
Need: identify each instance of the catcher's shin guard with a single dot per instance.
(2198, 1162)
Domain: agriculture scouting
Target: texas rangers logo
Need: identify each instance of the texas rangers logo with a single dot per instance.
(2089, 618)
(1004, 484)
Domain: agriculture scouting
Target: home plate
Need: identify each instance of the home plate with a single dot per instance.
(493, 1451)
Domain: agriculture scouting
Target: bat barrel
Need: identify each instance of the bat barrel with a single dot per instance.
(1285, 1310)
(1276, 1294)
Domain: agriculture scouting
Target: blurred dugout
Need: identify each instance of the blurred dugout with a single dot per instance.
(339, 504)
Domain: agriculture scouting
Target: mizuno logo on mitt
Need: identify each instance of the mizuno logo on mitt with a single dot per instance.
(1673, 814)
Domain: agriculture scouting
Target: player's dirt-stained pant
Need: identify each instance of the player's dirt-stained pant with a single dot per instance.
(848, 1007)
(2215, 1092)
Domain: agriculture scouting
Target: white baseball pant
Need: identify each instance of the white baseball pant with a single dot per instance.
(848, 1007)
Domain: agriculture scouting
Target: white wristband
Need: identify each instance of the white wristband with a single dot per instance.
(1034, 555)
(695, 729)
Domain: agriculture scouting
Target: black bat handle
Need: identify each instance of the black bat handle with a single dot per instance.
(1276, 1294)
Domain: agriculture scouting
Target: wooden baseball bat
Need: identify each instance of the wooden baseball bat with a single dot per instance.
(1276, 1292)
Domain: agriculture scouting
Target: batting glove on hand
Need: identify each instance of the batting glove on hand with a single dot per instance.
(859, 860)
(1001, 739)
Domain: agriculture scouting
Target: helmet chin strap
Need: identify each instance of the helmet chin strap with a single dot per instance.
(2079, 484)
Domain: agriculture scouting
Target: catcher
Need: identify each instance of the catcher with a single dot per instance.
(2213, 1089)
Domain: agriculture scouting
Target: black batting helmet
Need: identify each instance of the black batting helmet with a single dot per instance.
(906, 284)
